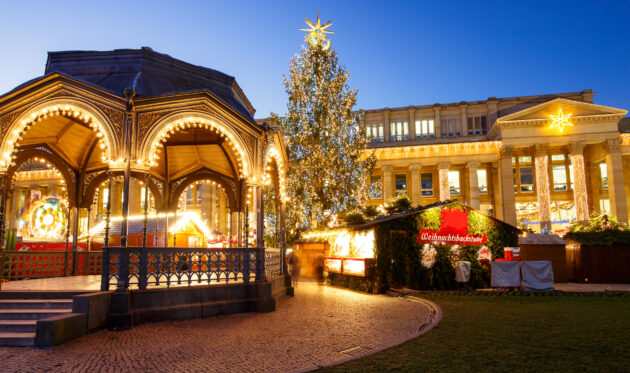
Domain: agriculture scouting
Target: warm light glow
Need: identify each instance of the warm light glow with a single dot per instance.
(317, 33)
(345, 243)
(561, 120)
(333, 265)
(354, 266)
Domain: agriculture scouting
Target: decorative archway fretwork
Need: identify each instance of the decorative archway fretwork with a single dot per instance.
(69, 174)
(156, 186)
(232, 188)
(240, 145)
(76, 108)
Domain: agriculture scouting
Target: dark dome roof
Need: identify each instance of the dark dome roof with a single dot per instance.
(150, 73)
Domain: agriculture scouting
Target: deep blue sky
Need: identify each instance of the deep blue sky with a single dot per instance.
(398, 53)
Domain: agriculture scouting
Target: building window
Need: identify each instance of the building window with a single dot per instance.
(451, 127)
(603, 171)
(376, 187)
(401, 184)
(453, 183)
(477, 125)
(398, 131)
(527, 179)
(523, 174)
(426, 185)
(375, 132)
(559, 174)
(482, 180)
(604, 206)
(425, 129)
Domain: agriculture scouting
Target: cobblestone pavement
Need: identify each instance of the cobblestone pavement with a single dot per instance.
(304, 332)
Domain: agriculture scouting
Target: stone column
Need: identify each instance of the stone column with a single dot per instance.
(616, 189)
(415, 183)
(386, 124)
(437, 121)
(388, 191)
(473, 183)
(496, 192)
(580, 196)
(464, 122)
(445, 191)
(542, 186)
(412, 123)
(507, 186)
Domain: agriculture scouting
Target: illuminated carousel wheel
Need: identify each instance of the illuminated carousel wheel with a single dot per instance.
(48, 218)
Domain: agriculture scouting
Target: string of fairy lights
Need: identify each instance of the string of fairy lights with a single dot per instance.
(69, 111)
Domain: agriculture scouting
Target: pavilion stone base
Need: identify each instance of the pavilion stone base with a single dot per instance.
(183, 303)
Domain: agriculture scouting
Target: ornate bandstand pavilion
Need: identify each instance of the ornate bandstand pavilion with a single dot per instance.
(158, 162)
(539, 162)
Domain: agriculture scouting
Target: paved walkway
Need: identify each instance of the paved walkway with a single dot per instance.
(304, 332)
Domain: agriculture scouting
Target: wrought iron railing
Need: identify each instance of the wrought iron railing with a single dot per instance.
(18, 265)
(125, 267)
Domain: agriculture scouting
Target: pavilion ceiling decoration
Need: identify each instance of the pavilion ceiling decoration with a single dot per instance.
(12, 141)
(233, 143)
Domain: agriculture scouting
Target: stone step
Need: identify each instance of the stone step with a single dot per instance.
(36, 294)
(13, 326)
(17, 339)
(35, 303)
(31, 314)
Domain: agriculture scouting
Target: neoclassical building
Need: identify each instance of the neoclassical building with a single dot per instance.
(532, 161)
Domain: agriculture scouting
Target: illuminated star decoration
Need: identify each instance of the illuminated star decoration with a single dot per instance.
(317, 33)
(560, 120)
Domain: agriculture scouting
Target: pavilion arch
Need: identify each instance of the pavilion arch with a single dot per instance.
(68, 174)
(272, 154)
(147, 153)
(77, 108)
(234, 198)
(91, 188)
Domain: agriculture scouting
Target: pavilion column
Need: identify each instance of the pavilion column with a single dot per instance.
(4, 180)
(473, 183)
(507, 186)
(616, 189)
(542, 186)
(437, 121)
(388, 191)
(445, 190)
(497, 210)
(75, 239)
(415, 183)
(260, 217)
(580, 195)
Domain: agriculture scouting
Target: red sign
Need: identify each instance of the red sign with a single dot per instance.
(454, 230)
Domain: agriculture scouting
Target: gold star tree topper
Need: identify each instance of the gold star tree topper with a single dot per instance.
(317, 33)
(561, 120)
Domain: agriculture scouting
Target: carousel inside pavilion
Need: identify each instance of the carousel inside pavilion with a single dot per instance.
(133, 148)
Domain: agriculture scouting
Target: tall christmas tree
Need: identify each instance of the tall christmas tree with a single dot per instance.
(325, 138)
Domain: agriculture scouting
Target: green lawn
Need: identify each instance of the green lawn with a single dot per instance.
(519, 333)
